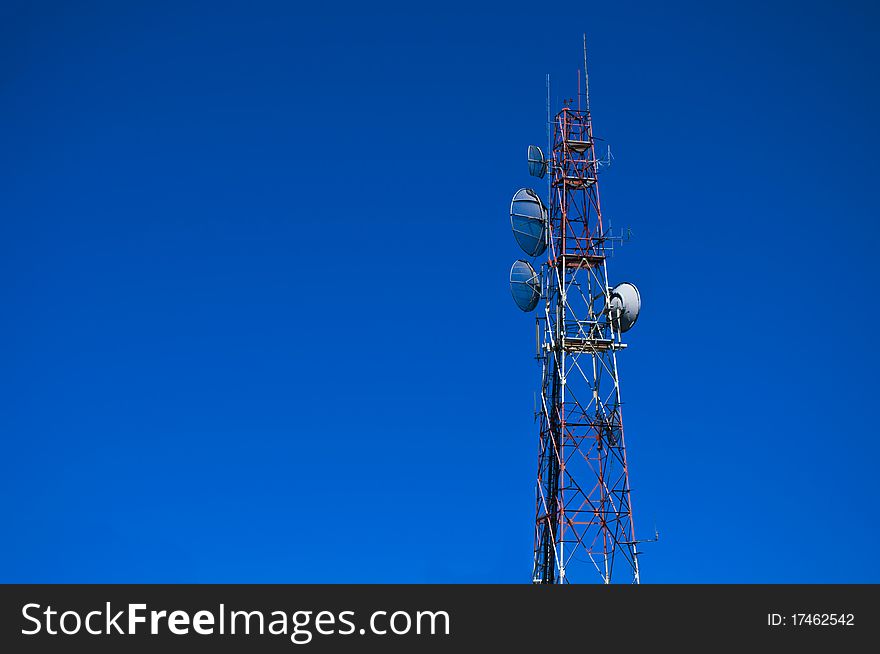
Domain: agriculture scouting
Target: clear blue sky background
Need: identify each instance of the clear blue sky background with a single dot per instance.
(255, 317)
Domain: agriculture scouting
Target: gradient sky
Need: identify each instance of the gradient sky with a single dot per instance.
(256, 324)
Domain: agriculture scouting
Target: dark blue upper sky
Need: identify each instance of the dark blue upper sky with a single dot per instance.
(255, 317)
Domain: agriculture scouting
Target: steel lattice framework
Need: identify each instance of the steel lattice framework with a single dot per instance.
(584, 522)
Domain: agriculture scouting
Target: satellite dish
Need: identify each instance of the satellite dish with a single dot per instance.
(528, 220)
(624, 306)
(525, 285)
(537, 162)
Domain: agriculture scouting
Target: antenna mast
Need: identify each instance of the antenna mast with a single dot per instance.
(586, 77)
(583, 512)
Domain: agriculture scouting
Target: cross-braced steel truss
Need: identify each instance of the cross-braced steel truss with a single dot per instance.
(584, 523)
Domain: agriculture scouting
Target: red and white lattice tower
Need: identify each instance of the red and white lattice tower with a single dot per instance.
(584, 522)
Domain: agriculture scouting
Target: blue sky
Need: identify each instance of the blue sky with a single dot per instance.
(256, 322)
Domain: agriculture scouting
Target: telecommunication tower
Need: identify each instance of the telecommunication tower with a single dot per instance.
(583, 519)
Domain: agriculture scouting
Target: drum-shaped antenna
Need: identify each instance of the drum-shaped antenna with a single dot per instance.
(528, 220)
(537, 162)
(624, 306)
(525, 285)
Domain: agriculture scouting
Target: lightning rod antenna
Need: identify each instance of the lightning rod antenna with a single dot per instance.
(549, 140)
(586, 77)
(549, 120)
